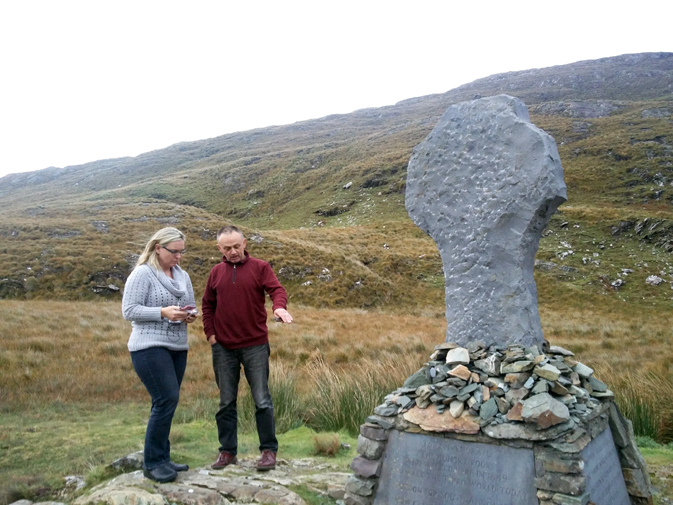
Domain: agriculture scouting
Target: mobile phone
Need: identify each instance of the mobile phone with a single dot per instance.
(188, 308)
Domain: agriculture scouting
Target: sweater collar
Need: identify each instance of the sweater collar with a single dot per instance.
(243, 259)
(172, 287)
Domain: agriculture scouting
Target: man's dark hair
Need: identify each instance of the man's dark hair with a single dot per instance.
(230, 228)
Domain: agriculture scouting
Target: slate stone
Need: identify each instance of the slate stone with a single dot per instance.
(583, 371)
(430, 420)
(366, 467)
(488, 410)
(430, 470)
(370, 449)
(597, 386)
(544, 410)
(548, 371)
(541, 386)
(417, 379)
(362, 487)
(517, 366)
(386, 410)
(484, 184)
(489, 365)
(459, 355)
(605, 480)
(373, 432)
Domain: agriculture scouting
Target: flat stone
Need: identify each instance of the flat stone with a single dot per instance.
(449, 391)
(362, 487)
(516, 395)
(514, 413)
(461, 371)
(490, 365)
(558, 389)
(583, 371)
(636, 485)
(517, 367)
(488, 410)
(517, 380)
(353, 499)
(605, 481)
(555, 349)
(566, 499)
(541, 386)
(386, 410)
(118, 495)
(131, 461)
(191, 495)
(553, 461)
(383, 423)
(597, 386)
(430, 470)
(366, 468)
(373, 432)
(456, 408)
(544, 410)
(370, 449)
(483, 185)
(430, 420)
(417, 379)
(459, 355)
(562, 483)
(548, 371)
(522, 431)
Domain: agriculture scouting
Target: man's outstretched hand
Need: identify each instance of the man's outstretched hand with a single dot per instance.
(282, 315)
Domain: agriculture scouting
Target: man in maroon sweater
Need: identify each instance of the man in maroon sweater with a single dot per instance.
(234, 320)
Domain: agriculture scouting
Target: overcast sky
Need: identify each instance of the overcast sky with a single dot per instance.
(88, 80)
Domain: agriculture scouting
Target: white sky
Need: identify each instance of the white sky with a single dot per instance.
(88, 80)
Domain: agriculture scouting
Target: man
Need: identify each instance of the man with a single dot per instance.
(234, 320)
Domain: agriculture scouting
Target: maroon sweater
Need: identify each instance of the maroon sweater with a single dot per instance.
(233, 303)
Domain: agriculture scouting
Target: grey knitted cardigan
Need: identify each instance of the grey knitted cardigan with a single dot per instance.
(147, 290)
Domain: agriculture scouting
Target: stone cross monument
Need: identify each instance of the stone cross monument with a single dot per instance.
(483, 185)
(494, 417)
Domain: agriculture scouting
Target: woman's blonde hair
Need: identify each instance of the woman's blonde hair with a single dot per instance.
(162, 237)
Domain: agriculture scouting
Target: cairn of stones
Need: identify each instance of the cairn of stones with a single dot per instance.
(497, 416)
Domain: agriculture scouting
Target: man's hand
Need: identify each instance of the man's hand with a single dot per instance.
(283, 315)
(212, 340)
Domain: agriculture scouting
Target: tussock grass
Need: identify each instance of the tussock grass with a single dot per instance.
(341, 401)
(327, 444)
(641, 397)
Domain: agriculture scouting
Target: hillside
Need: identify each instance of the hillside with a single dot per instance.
(71, 232)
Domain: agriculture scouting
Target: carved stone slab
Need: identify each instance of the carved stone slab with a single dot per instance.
(423, 470)
(605, 481)
(484, 184)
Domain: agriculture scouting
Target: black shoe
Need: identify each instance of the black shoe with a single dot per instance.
(177, 466)
(162, 473)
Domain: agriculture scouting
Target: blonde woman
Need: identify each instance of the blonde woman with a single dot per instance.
(159, 301)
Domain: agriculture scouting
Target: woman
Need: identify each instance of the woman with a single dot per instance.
(153, 296)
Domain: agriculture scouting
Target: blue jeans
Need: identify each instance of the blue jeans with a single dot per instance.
(161, 371)
(227, 365)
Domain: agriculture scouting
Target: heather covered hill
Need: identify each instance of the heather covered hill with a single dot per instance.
(326, 198)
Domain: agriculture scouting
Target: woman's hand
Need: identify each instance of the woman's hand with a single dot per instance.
(173, 313)
(191, 318)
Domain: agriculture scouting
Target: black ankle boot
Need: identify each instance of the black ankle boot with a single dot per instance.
(177, 466)
(162, 473)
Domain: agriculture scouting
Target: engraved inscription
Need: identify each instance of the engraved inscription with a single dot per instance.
(425, 470)
(605, 481)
